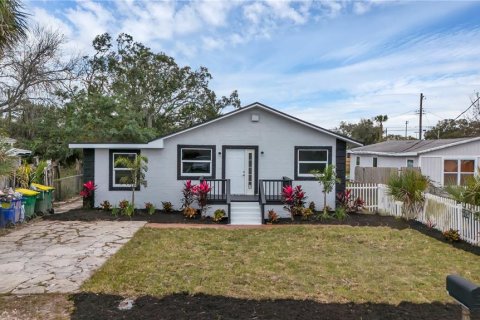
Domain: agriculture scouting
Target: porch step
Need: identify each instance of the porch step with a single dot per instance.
(246, 213)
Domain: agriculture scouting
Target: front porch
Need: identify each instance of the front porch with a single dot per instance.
(247, 209)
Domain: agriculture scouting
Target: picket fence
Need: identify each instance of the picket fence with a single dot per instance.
(438, 212)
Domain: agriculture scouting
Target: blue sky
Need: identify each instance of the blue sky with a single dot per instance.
(323, 61)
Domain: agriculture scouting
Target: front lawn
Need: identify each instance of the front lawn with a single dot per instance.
(327, 264)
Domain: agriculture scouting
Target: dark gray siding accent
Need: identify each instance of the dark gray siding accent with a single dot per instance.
(88, 165)
(340, 164)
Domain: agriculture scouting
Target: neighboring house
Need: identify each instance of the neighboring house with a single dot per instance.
(444, 161)
(252, 150)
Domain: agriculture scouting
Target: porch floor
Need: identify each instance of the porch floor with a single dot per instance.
(243, 198)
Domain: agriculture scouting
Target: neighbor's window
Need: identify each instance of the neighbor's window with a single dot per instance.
(457, 172)
(409, 163)
(196, 162)
(357, 161)
(118, 172)
(311, 159)
(375, 162)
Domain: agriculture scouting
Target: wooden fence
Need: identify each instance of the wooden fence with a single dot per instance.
(438, 212)
(378, 174)
(68, 187)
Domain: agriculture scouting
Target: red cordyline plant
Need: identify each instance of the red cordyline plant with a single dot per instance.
(201, 192)
(188, 194)
(294, 199)
(87, 193)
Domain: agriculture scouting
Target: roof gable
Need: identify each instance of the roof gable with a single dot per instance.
(263, 107)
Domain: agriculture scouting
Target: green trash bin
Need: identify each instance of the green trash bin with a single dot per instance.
(44, 202)
(29, 199)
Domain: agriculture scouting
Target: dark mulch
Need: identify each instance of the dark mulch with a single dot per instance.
(201, 306)
(140, 215)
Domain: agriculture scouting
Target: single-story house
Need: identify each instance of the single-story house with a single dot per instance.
(444, 161)
(246, 155)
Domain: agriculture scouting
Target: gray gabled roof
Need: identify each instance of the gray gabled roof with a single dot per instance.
(410, 147)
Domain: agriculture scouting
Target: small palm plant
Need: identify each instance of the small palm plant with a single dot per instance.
(138, 167)
(409, 188)
(327, 179)
(469, 193)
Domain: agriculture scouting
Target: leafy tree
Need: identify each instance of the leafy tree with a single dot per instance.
(327, 179)
(13, 24)
(365, 131)
(138, 168)
(449, 128)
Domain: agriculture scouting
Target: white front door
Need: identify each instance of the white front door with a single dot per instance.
(240, 169)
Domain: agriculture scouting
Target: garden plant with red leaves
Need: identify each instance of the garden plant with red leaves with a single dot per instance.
(87, 193)
(346, 200)
(294, 199)
(201, 192)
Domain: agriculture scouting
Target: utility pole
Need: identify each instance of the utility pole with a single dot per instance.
(406, 129)
(420, 117)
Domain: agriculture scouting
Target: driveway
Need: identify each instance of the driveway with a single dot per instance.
(53, 256)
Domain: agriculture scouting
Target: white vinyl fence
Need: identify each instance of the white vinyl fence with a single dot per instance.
(438, 212)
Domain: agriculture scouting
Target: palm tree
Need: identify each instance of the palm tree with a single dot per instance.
(381, 119)
(138, 167)
(13, 25)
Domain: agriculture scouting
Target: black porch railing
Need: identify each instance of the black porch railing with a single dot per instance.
(270, 191)
(219, 192)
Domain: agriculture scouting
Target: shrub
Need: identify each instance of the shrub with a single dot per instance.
(312, 206)
(469, 193)
(115, 211)
(409, 188)
(307, 213)
(272, 216)
(189, 212)
(345, 200)
(188, 194)
(87, 193)
(129, 210)
(218, 215)
(340, 213)
(201, 192)
(106, 206)
(150, 208)
(293, 199)
(167, 206)
(452, 235)
(123, 204)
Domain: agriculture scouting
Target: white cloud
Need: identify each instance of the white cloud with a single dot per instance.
(210, 43)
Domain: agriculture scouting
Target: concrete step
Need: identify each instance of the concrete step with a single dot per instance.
(245, 213)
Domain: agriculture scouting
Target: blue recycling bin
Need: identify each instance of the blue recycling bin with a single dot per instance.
(8, 216)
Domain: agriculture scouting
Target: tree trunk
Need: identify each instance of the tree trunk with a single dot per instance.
(133, 197)
(325, 202)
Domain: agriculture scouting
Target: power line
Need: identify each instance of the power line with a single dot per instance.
(473, 103)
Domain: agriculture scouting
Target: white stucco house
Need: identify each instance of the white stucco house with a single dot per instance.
(444, 161)
(246, 155)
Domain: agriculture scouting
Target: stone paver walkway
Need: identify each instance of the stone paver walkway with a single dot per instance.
(54, 256)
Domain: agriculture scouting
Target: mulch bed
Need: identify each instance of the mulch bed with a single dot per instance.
(140, 215)
(202, 306)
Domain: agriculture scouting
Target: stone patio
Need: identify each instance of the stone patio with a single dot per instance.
(52, 256)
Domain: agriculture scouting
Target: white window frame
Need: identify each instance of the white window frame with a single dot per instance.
(309, 175)
(459, 172)
(194, 174)
(114, 170)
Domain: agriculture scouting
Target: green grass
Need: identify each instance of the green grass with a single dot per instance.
(327, 264)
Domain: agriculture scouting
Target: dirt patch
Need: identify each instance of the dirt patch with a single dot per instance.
(140, 215)
(202, 306)
(39, 306)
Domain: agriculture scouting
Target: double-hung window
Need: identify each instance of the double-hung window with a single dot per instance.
(311, 158)
(196, 161)
(119, 175)
(457, 171)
